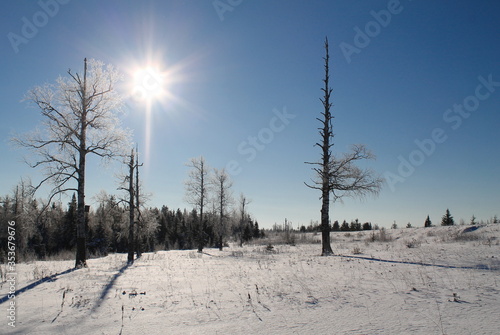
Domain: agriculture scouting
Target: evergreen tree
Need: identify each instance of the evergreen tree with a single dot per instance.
(247, 231)
(447, 219)
(473, 220)
(355, 225)
(428, 222)
(256, 230)
(336, 226)
(67, 230)
(345, 226)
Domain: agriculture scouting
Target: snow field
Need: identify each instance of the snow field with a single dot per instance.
(446, 282)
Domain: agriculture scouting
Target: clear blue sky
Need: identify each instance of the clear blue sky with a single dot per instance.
(233, 67)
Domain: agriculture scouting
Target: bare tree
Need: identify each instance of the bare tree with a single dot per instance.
(130, 184)
(80, 114)
(131, 207)
(243, 202)
(24, 213)
(140, 199)
(338, 175)
(197, 188)
(222, 200)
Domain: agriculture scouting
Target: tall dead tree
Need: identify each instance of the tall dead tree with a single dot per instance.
(197, 188)
(337, 175)
(131, 180)
(138, 245)
(222, 200)
(80, 114)
(131, 207)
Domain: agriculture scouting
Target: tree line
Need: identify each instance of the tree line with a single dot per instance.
(43, 231)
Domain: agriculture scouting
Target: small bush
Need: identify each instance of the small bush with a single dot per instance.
(412, 244)
(356, 251)
(270, 248)
(237, 253)
(380, 236)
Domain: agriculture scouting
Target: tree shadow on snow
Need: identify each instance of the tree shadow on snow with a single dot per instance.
(476, 267)
(35, 284)
(110, 285)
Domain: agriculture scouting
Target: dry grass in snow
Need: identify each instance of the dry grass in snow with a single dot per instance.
(438, 280)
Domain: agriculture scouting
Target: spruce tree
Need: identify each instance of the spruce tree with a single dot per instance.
(447, 219)
(66, 233)
(428, 222)
(473, 220)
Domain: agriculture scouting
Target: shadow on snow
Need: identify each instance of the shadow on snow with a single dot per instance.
(110, 285)
(35, 284)
(476, 267)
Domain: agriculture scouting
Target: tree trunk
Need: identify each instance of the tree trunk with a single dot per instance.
(140, 222)
(201, 237)
(131, 239)
(81, 257)
(81, 247)
(200, 231)
(221, 218)
(326, 248)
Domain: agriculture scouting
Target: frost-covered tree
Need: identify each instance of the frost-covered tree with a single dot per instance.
(447, 219)
(80, 118)
(338, 176)
(197, 192)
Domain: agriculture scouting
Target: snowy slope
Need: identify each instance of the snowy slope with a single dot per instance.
(425, 281)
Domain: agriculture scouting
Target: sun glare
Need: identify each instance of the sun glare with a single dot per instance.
(149, 84)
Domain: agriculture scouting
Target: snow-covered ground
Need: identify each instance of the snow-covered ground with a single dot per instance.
(425, 281)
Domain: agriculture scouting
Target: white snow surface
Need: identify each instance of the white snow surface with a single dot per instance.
(437, 280)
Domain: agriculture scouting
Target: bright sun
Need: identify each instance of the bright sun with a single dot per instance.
(149, 84)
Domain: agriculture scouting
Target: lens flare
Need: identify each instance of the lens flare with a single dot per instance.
(148, 84)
